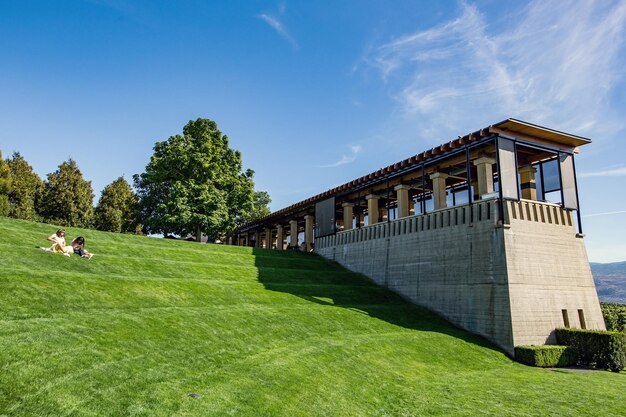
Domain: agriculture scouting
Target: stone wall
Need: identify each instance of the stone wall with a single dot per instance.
(548, 272)
(507, 283)
(451, 261)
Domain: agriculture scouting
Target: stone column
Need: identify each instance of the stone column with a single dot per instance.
(527, 181)
(484, 167)
(308, 232)
(279, 237)
(257, 239)
(402, 195)
(347, 215)
(268, 238)
(293, 224)
(439, 190)
(372, 209)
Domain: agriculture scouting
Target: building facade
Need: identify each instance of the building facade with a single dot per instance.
(485, 230)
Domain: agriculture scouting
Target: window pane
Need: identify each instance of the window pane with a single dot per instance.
(551, 180)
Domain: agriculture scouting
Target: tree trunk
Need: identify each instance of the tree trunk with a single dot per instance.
(198, 234)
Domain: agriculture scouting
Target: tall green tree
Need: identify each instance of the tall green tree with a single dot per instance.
(117, 209)
(194, 184)
(26, 189)
(5, 186)
(67, 198)
(258, 209)
(260, 206)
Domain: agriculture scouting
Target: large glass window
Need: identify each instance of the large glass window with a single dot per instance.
(550, 182)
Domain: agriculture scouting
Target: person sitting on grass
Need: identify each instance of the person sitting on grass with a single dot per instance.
(78, 246)
(58, 243)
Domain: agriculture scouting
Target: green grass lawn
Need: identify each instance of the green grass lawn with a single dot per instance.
(147, 322)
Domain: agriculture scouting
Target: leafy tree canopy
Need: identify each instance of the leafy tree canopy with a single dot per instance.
(117, 210)
(5, 186)
(26, 189)
(195, 183)
(260, 207)
(67, 198)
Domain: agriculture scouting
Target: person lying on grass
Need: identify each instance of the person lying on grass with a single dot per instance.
(59, 246)
(78, 245)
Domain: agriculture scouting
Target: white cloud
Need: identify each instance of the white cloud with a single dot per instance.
(345, 159)
(615, 172)
(276, 24)
(557, 62)
(608, 213)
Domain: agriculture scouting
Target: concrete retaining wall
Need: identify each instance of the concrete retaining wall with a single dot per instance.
(509, 284)
(451, 261)
(548, 272)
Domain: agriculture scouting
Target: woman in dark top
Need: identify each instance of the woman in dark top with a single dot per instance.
(78, 245)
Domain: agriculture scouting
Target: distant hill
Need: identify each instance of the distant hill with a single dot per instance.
(610, 281)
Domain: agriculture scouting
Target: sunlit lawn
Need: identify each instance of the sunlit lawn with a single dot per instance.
(152, 327)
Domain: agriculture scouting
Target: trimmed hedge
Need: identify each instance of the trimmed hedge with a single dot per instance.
(546, 356)
(601, 349)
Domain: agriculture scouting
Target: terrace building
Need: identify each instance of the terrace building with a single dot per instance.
(485, 230)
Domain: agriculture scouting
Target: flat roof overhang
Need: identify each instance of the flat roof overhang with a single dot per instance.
(524, 129)
(509, 127)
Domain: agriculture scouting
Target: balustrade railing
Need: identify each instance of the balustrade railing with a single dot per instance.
(481, 211)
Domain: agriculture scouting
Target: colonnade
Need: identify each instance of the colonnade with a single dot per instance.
(275, 238)
(483, 184)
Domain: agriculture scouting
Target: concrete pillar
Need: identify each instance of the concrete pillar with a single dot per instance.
(308, 232)
(372, 209)
(527, 181)
(402, 196)
(484, 168)
(348, 210)
(439, 190)
(279, 237)
(293, 225)
(268, 238)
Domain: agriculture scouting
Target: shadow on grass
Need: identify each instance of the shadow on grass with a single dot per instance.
(317, 280)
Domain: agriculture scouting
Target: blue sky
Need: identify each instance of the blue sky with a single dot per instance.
(315, 93)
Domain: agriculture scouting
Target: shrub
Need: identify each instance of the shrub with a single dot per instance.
(546, 356)
(614, 316)
(604, 350)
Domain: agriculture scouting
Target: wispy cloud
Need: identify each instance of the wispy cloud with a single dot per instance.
(615, 172)
(555, 62)
(279, 27)
(608, 213)
(345, 159)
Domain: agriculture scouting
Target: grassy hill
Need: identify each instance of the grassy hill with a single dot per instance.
(610, 281)
(151, 327)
